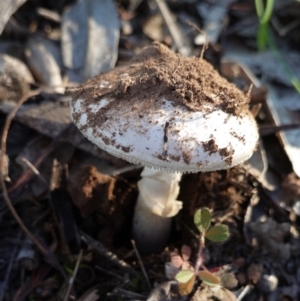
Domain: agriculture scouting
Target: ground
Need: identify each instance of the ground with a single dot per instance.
(66, 207)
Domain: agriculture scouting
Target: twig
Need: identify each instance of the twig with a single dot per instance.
(124, 293)
(34, 170)
(72, 279)
(128, 168)
(173, 28)
(205, 46)
(244, 292)
(265, 130)
(141, 264)
(97, 246)
(248, 94)
(108, 272)
(192, 232)
(7, 124)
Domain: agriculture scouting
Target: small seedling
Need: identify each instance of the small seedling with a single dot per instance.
(187, 276)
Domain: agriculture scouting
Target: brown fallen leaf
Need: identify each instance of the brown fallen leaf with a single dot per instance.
(217, 293)
(7, 9)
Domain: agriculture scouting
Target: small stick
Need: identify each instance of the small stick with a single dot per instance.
(124, 293)
(72, 279)
(265, 130)
(98, 246)
(192, 232)
(128, 168)
(250, 90)
(34, 170)
(173, 29)
(205, 46)
(141, 263)
(108, 272)
(244, 292)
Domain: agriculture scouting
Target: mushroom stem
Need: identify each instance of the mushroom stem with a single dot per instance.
(155, 206)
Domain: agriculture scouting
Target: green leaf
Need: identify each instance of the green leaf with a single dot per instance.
(209, 278)
(259, 5)
(268, 12)
(218, 233)
(184, 276)
(202, 219)
(186, 288)
(296, 84)
(262, 37)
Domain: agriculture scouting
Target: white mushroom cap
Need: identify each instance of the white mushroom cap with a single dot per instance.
(127, 113)
(172, 138)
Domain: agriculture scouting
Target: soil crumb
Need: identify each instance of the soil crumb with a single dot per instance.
(91, 190)
(210, 146)
(226, 153)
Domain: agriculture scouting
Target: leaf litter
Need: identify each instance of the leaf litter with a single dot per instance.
(74, 198)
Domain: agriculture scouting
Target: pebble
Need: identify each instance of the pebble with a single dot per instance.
(267, 283)
(296, 208)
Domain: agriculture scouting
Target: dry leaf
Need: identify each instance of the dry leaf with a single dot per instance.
(7, 9)
(45, 62)
(90, 38)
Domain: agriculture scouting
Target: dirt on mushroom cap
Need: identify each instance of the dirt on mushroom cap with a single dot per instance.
(159, 87)
(157, 71)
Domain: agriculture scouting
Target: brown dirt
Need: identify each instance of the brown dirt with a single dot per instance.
(187, 81)
(210, 146)
(91, 190)
(226, 193)
(111, 199)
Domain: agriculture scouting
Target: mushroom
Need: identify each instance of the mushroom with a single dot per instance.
(171, 114)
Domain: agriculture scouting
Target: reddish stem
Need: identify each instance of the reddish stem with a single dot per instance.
(199, 262)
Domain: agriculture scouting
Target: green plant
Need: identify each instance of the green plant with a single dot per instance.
(188, 273)
(264, 15)
(264, 38)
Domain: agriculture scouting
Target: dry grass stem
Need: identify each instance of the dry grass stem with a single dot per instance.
(141, 263)
(72, 279)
